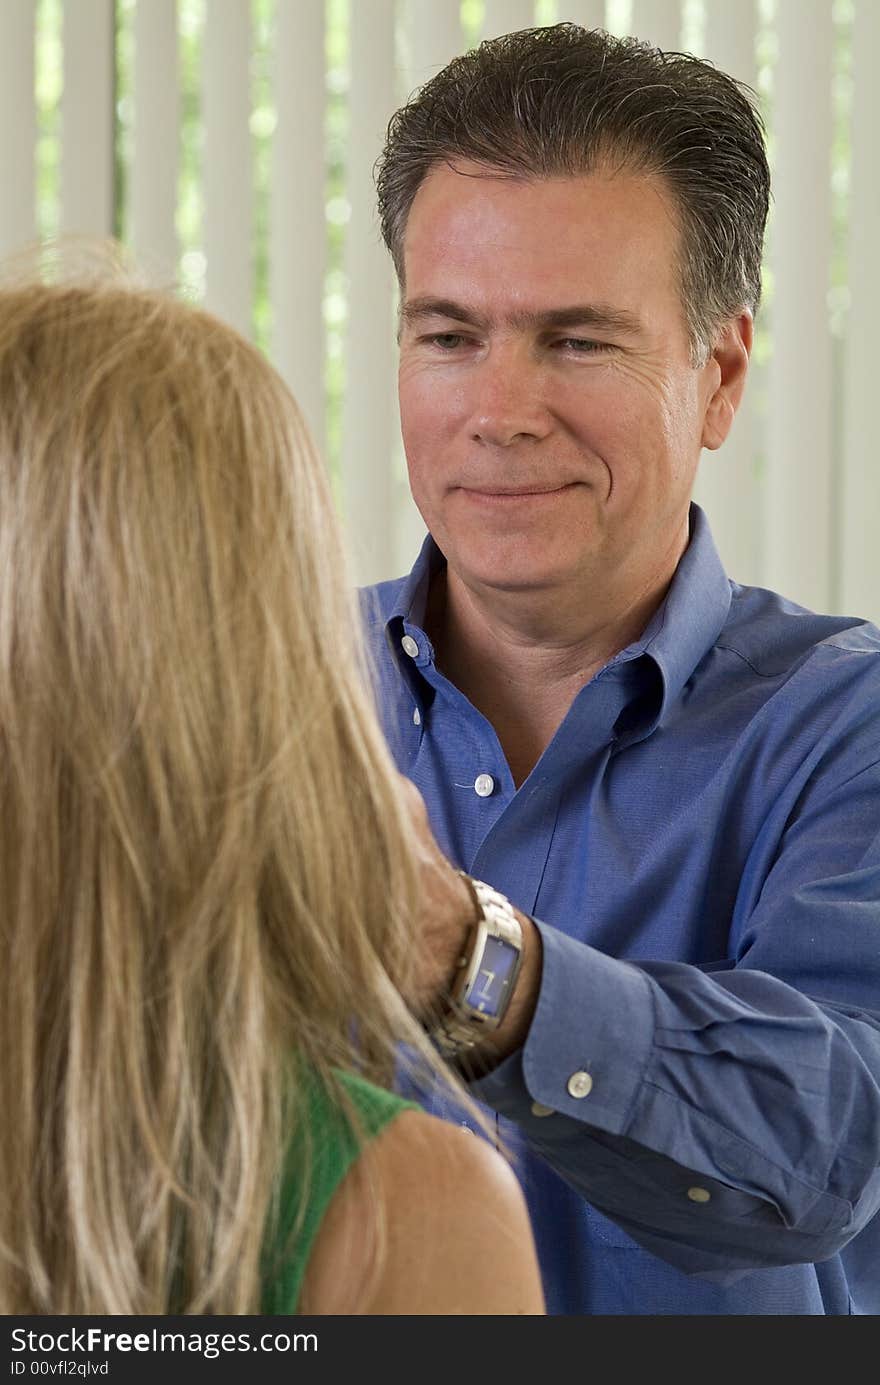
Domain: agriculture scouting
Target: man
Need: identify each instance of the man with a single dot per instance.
(674, 779)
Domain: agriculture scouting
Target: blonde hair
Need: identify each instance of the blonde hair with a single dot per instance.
(205, 874)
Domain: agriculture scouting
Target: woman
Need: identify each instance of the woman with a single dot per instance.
(207, 882)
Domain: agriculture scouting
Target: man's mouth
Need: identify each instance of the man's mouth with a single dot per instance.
(509, 494)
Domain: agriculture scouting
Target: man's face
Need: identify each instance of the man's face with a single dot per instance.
(551, 416)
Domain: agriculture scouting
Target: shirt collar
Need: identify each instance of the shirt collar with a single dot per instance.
(412, 599)
(686, 624)
(678, 636)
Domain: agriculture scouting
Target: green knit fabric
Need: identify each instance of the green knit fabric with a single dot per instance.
(335, 1147)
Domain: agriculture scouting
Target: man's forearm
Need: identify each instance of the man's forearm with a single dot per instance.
(681, 1136)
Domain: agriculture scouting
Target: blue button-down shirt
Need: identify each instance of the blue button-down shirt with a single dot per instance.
(700, 846)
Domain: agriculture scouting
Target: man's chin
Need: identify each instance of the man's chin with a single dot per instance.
(514, 575)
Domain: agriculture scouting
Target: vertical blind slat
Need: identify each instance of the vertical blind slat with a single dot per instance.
(155, 159)
(727, 483)
(433, 36)
(730, 39)
(368, 438)
(507, 16)
(797, 495)
(227, 176)
(297, 223)
(87, 117)
(658, 22)
(18, 115)
(860, 509)
(589, 13)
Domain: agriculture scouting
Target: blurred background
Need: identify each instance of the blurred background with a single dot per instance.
(230, 144)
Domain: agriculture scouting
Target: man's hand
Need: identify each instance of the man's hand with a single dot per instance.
(446, 914)
(447, 918)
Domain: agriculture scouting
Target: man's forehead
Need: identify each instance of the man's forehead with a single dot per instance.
(551, 259)
(467, 183)
(547, 230)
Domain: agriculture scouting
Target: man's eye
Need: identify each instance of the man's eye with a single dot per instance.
(582, 346)
(445, 341)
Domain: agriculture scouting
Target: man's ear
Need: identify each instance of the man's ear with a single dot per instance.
(730, 354)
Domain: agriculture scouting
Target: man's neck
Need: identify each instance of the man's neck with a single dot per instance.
(521, 662)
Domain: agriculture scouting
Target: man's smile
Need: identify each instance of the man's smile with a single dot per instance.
(508, 496)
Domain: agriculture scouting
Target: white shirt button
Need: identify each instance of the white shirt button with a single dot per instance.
(580, 1084)
(699, 1194)
(539, 1110)
(484, 785)
(417, 717)
(409, 646)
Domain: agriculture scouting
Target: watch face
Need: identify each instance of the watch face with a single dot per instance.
(492, 980)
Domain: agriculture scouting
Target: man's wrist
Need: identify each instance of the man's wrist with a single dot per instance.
(476, 1001)
(480, 990)
(481, 984)
(513, 1031)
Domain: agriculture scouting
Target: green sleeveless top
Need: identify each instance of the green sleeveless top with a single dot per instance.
(335, 1148)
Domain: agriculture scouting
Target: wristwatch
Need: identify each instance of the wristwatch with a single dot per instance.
(485, 976)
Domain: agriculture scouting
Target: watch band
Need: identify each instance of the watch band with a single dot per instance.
(486, 974)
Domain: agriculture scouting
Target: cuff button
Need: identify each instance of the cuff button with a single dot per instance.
(579, 1084)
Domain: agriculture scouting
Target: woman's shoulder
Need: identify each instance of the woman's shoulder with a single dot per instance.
(457, 1235)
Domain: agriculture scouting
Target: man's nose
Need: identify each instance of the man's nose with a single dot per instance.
(509, 403)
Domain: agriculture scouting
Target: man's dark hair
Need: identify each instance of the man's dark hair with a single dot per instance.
(564, 101)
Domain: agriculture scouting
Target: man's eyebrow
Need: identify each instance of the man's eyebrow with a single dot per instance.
(598, 315)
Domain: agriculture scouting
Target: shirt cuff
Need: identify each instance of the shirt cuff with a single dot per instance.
(588, 1045)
